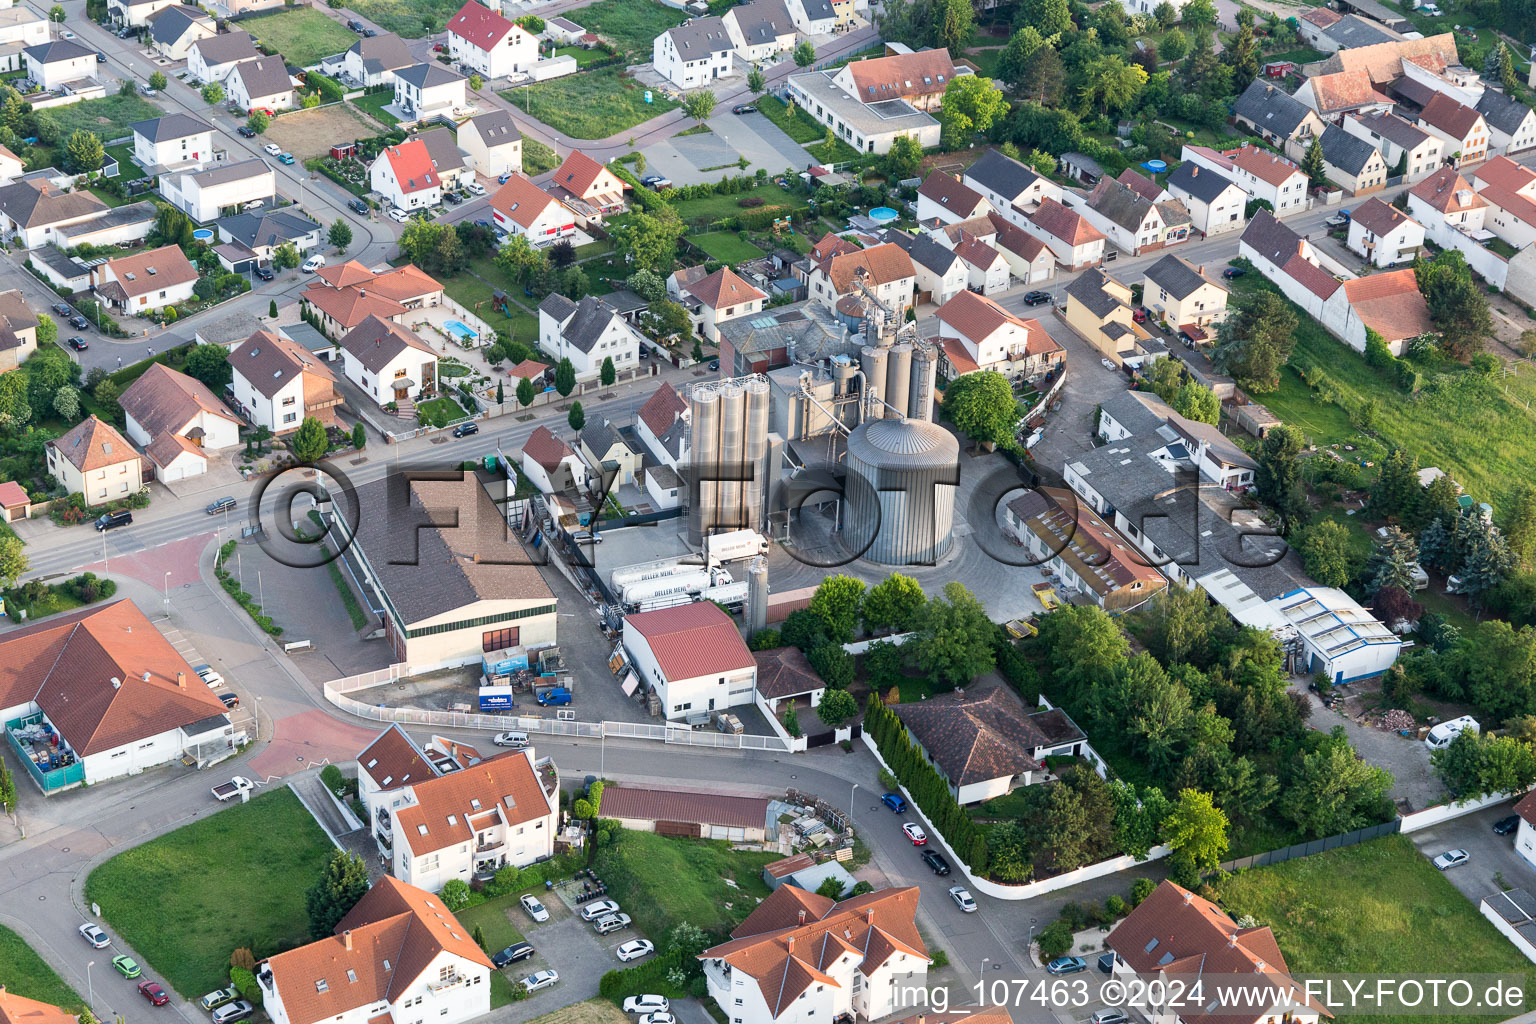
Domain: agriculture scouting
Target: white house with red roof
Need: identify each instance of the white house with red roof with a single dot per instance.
(693, 657)
(800, 957)
(946, 199)
(1510, 191)
(1260, 174)
(1383, 234)
(1076, 244)
(522, 208)
(589, 188)
(483, 40)
(662, 426)
(975, 333)
(1525, 839)
(399, 955)
(551, 464)
(920, 78)
(406, 176)
(712, 299)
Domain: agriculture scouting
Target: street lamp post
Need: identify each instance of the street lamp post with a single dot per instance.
(1030, 945)
(167, 586)
(984, 961)
(850, 805)
(90, 992)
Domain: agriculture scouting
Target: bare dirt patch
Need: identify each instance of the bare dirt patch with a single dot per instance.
(592, 1011)
(312, 133)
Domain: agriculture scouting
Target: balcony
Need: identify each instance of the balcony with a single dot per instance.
(549, 776)
(488, 847)
(442, 984)
(384, 840)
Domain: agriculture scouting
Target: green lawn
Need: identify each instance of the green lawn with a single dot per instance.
(24, 973)
(445, 408)
(1376, 908)
(726, 247)
(303, 35)
(109, 117)
(798, 125)
(56, 601)
(184, 901)
(729, 205)
(835, 151)
(374, 103)
(127, 167)
(593, 105)
(985, 60)
(538, 158)
(410, 19)
(585, 58)
(630, 25)
(494, 918)
(662, 882)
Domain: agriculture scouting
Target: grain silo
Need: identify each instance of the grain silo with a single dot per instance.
(728, 440)
(755, 445)
(902, 478)
(704, 451)
(757, 595)
(925, 364)
(898, 377)
(873, 360)
(733, 448)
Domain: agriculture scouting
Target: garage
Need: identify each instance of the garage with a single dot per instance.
(688, 813)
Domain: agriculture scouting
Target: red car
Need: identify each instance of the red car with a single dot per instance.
(152, 991)
(1140, 315)
(915, 833)
(263, 110)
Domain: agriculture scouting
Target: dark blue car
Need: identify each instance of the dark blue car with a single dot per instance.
(895, 801)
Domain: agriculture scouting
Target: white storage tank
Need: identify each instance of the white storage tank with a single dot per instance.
(902, 477)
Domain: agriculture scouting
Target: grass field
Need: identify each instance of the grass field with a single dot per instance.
(301, 35)
(594, 105)
(1478, 429)
(631, 25)
(109, 117)
(725, 206)
(593, 1011)
(985, 60)
(585, 58)
(374, 104)
(798, 125)
(24, 973)
(410, 19)
(495, 920)
(1376, 908)
(184, 901)
(446, 408)
(662, 882)
(538, 158)
(726, 247)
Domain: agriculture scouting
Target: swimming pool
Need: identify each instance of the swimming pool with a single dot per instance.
(459, 331)
(882, 214)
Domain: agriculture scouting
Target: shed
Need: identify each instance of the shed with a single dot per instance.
(1081, 167)
(1254, 418)
(14, 503)
(811, 878)
(678, 812)
(342, 150)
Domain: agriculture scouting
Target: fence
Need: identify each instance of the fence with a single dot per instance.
(1359, 835)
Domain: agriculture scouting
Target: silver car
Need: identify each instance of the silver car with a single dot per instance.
(540, 979)
(1452, 859)
(963, 899)
(598, 908)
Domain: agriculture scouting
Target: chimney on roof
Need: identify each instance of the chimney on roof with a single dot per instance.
(789, 943)
(1189, 897)
(346, 938)
(869, 915)
(181, 680)
(1194, 170)
(802, 917)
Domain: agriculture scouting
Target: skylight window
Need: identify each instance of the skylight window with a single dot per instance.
(421, 829)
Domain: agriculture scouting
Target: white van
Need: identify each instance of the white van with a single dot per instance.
(1441, 735)
(313, 264)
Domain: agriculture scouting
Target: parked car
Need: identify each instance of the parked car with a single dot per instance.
(1338, 220)
(512, 954)
(355, 26)
(656, 182)
(127, 966)
(285, 158)
(145, 90)
(79, 323)
(370, 33)
(95, 936)
(313, 264)
(221, 504)
(534, 907)
(79, 344)
(358, 206)
(263, 110)
(915, 833)
(61, 309)
(963, 898)
(1452, 859)
(245, 131)
(1037, 298)
(265, 273)
(714, 364)
(1109, 1017)
(1504, 826)
(482, 223)
(1066, 965)
(658, 1018)
(453, 197)
(271, 149)
(647, 1004)
(1139, 314)
(744, 108)
(101, 58)
(1433, 10)
(1108, 363)
(230, 700)
(515, 740)
(895, 801)
(598, 908)
(634, 949)
(112, 520)
(540, 979)
(474, 188)
(1234, 272)
(214, 1000)
(152, 991)
(936, 862)
(611, 923)
(465, 429)
(555, 697)
(399, 216)
(231, 1012)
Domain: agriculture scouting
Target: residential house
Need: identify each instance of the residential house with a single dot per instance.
(174, 142)
(345, 295)
(20, 27)
(146, 281)
(551, 464)
(1098, 307)
(176, 419)
(373, 60)
(227, 187)
(1278, 118)
(1510, 191)
(589, 188)
(1072, 239)
(1130, 220)
(1148, 6)
(1511, 124)
(398, 946)
(941, 273)
(1265, 176)
(713, 299)
(1351, 162)
(493, 142)
(486, 42)
(15, 1009)
(1525, 839)
(736, 819)
(135, 13)
(453, 586)
(1215, 202)
(18, 330)
(919, 78)
(663, 487)
(799, 955)
(250, 239)
(388, 361)
(424, 91)
(851, 113)
(588, 333)
(59, 62)
(522, 208)
(212, 60)
(1013, 189)
(1175, 933)
(662, 426)
(261, 83)
(1345, 92)
(885, 271)
(819, 17)
(406, 176)
(975, 333)
(1181, 295)
(1428, 76)
(1350, 30)
(1085, 554)
(1383, 234)
(987, 270)
(174, 29)
(605, 450)
(96, 462)
(278, 383)
(692, 656)
(1462, 128)
(1402, 144)
(1384, 62)
(1448, 207)
(943, 198)
(11, 166)
(1029, 259)
(33, 210)
(118, 697)
(694, 54)
(763, 31)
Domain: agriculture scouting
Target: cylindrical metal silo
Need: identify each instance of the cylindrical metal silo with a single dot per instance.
(898, 379)
(873, 360)
(756, 443)
(757, 596)
(733, 422)
(704, 455)
(843, 370)
(925, 364)
(902, 473)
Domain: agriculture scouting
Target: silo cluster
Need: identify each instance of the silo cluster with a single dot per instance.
(902, 378)
(728, 443)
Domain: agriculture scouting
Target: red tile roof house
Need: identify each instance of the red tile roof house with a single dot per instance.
(1173, 932)
(176, 419)
(799, 954)
(702, 814)
(406, 176)
(116, 692)
(16, 1009)
(662, 426)
(1448, 207)
(398, 948)
(483, 40)
(692, 656)
(146, 281)
(522, 208)
(552, 464)
(944, 199)
(712, 299)
(1076, 244)
(589, 188)
(344, 296)
(886, 270)
(975, 333)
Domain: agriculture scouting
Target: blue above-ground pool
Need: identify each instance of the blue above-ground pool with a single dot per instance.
(1156, 166)
(459, 331)
(202, 234)
(883, 214)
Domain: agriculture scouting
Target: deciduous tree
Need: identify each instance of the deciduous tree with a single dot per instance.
(838, 601)
(982, 406)
(1326, 552)
(971, 105)
(606, 373)
(1197, 402)
(954, 641)
(836, 707)
(699, 105)
(896, 602)
(1196, 829)
(1254, 344)
(1278, 476)
(83, 153)
(210, 364)
(340, 235)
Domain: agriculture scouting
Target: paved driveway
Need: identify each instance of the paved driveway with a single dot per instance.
(761, 141)
(567, 944)
(1494, 865)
